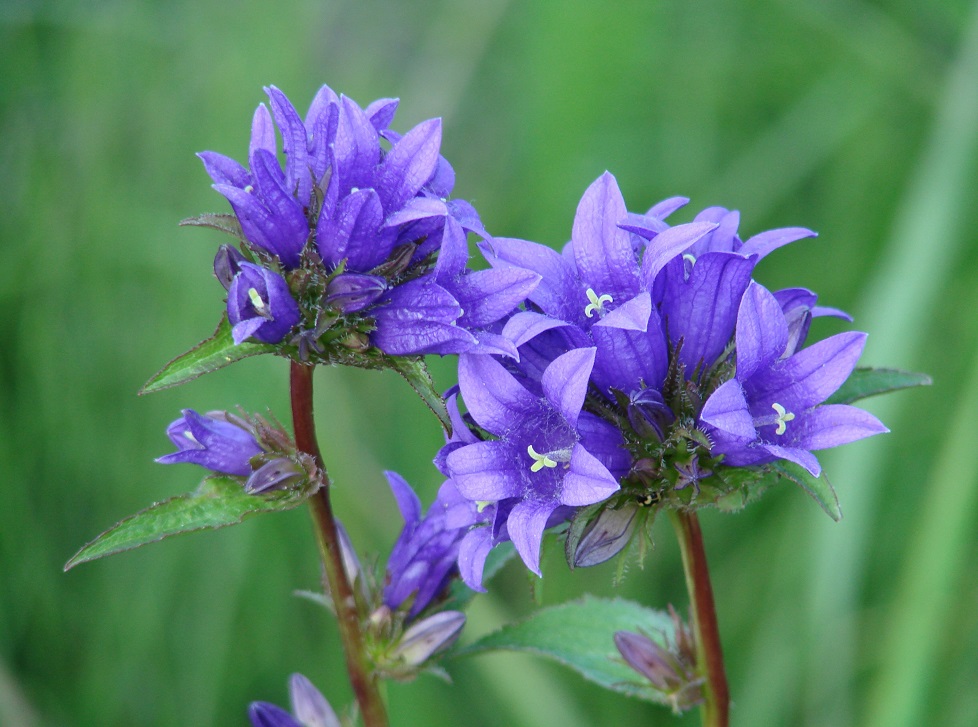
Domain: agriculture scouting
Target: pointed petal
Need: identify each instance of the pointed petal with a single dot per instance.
(294, 143)
(495, 399)
(835, 424)
(627, 360)
(762, 332)
(309, 705)
(419, 208)
(262, 132)
(602, 250)
(565, 382)
(766, 242)
(526, 524)
(527, 325)
(558, 285)
(793, 454)
(811, 375)
(353, 233)
(667, 206)
(472, 553)
(452, 256)
(381, 112)
(727, 411)
(224, 170)
(488, 295)
(409, 165)
(588, 481)
(666, 245)
(605, 443)
(356, 150)
(703, 309)
(485, 471)
(407, 501)
(632, 315)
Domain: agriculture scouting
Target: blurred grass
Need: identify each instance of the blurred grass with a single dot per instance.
(851, 118)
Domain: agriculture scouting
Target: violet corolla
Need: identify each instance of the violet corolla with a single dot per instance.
(547, 453)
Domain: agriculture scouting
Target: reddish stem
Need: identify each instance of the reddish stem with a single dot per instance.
(364, 684)
(716, 708)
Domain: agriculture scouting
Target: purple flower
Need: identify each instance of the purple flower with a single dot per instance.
(377, 220)
(547, 453)
(215, 441)
(771, 409)
(423, 560)
(603, 286)
(309, 708)
(260, 305)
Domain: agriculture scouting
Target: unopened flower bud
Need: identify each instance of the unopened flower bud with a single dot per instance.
(351, 292)
(429, 636)
(309, 706)
(227, 264)
(216, 441)
(605, 536)
(275, 475)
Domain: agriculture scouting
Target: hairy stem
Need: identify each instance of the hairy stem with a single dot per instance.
(716, 706)
(364, 683)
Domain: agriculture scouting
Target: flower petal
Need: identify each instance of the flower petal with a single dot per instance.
(666, 245)
(526, 524)
(588, 481)
(762, 332)
(472, 553)
(496, 400)
(407, 501)
(409, 164)
(766, 242)
(565, 382)
(485, 471)
(602, 250)
(834, 424)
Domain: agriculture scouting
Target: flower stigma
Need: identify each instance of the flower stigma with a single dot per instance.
(539, 460)
(596, 305)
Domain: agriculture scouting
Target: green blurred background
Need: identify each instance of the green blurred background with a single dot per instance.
(856, 119)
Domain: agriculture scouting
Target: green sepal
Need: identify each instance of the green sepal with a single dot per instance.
(864, 382)
(580, 635)
(226, 223)
(215, 353)
(819, 488)
(218, 502)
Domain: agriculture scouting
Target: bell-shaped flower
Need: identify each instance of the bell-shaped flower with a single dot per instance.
(547, 454)
(216, 441)
(773, 408)
(423, 560)
(260, 305)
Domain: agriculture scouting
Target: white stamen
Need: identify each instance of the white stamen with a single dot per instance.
(597, 303)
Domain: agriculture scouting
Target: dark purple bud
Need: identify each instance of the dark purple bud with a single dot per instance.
(429, 636)
(260, 305)
(212, 442)
(649, 659)
(227, 264)
(275, 475)
(649, 414)
(605, 536)
(351, 292)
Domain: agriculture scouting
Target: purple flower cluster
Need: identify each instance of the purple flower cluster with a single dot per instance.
(649, 364)
(355, 242)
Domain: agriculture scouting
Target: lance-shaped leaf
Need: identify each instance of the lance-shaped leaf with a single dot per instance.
(217, 503)
(215, 353)
(580, 634)
(863, 382)
(225, 223)
(819, 488)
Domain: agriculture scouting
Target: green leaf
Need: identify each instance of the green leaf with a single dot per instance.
(215, 353)
(580, 634)
(223, 222)
(819, 488)
(217, 503)
(863, 382)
